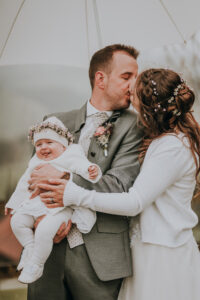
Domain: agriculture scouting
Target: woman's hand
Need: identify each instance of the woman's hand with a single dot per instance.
(53, 197)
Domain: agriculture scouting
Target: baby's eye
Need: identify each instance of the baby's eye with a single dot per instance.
(49, 142)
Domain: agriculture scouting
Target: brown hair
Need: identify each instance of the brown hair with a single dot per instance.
(165, 107)
(101, 60)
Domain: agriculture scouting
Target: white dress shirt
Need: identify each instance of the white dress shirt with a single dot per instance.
(89, 125)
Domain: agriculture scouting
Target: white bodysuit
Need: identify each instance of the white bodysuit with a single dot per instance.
(26, 210)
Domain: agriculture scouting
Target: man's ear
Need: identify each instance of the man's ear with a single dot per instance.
(100, 78)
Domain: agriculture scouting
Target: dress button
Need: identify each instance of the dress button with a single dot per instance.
(93, 154)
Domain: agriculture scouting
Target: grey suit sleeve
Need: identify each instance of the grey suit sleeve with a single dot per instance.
(124, 168)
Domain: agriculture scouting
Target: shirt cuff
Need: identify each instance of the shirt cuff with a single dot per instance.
(71, 194)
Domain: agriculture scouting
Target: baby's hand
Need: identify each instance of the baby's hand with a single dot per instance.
(7, 211)
(93, 171)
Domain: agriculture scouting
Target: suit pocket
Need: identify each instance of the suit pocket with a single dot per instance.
(111, 224)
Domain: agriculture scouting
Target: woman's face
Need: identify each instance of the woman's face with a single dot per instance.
(135, 101)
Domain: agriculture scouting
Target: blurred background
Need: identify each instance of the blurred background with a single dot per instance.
(45, 48)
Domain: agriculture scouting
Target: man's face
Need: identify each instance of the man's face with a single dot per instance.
(120, 80)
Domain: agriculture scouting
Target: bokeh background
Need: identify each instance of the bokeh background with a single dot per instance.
(45, 48)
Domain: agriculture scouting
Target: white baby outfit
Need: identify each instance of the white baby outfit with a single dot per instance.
(26, 210)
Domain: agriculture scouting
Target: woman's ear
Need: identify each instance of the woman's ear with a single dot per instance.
(100, 79)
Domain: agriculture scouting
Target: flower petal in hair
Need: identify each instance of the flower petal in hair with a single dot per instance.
(170, 100)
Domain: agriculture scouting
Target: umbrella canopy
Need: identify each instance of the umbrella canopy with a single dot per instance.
(67, 32)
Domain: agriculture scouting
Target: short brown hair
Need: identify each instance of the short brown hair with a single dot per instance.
(101, 59)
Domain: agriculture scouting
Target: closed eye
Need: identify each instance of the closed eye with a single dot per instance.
(126, 76)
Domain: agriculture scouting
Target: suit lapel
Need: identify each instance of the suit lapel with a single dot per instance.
(79, 122)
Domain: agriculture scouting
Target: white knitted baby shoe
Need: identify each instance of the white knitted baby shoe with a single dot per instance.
(31, 273)
(25, 256)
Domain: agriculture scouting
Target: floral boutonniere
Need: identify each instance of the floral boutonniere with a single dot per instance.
(103, 134)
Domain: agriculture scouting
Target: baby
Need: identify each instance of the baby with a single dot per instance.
(53, 145)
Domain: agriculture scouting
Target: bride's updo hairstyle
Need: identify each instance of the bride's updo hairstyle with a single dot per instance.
(165, 107)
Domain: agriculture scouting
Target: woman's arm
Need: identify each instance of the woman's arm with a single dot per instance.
(168, 162)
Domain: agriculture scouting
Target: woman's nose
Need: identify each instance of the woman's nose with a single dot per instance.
(132, 85)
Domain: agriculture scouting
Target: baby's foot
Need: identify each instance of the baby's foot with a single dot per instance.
(31, 273)
(25, 257)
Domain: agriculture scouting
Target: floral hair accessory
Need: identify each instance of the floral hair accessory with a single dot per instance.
(103, 134)
(154, 87)
(176, 112)
(176, 90)
(172, 99)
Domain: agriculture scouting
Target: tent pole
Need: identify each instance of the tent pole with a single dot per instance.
(96, 14)
(11, 28)
(87, 30)
(172, 20)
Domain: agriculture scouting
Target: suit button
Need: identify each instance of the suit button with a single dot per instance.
(93, 154)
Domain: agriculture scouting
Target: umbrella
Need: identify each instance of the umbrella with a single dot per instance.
(45, 47)
(67, 32)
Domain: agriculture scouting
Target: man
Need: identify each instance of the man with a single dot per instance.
(92, 266)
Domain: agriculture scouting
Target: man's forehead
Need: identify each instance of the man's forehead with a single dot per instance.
(125, 62)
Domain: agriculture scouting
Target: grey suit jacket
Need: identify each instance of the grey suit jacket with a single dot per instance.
(108, 244)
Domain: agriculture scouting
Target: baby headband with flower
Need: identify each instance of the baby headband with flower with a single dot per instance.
(64, 132)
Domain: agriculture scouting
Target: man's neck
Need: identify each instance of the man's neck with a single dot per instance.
(100, 104)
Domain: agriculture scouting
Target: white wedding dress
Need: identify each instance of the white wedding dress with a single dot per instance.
(161, 272)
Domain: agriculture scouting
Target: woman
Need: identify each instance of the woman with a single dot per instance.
(166, 260)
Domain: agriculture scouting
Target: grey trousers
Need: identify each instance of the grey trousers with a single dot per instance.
(68, 275)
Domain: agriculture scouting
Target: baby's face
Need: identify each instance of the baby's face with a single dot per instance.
(47, 149)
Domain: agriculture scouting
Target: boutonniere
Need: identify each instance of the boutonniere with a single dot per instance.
(102, 135)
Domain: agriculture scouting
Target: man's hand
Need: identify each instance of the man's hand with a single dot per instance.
(53, 197)
(41, 174)
(38, 221)
(46, 171)
(7, 211)
(62, 232)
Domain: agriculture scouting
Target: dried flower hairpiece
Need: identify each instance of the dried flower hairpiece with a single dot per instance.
(44, 125)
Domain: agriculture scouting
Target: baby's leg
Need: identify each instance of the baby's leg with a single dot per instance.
(22, 227)
(45, 233)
